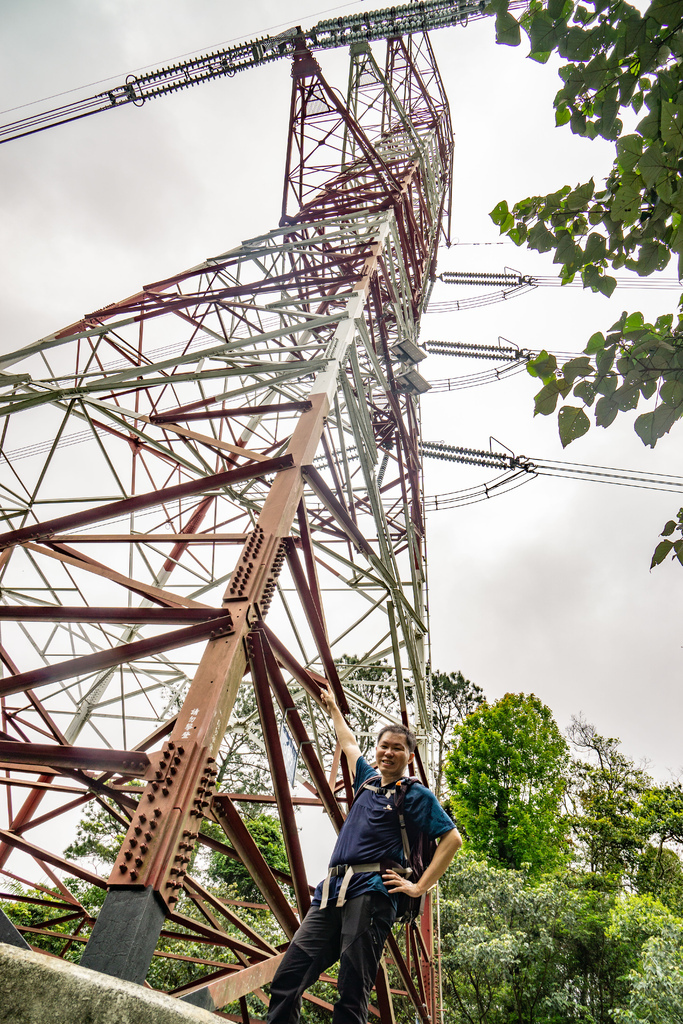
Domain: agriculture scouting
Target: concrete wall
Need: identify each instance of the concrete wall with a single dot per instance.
(40, 989)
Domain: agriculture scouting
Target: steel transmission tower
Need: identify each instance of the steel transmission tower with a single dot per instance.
(213, 488)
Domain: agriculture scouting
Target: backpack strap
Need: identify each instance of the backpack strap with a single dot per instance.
(347, 871)
(399, 800)
(399, 790)
(371, 785)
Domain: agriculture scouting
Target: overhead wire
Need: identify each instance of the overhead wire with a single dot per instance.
(406, 19)
(519, 470)
(517, 361)
(167, 60)
(511, 284)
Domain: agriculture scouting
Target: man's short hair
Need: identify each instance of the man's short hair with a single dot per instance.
(400, 730)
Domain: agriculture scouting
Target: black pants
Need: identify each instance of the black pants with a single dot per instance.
(353, 934)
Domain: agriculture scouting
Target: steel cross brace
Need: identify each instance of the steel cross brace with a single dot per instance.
(170, 818)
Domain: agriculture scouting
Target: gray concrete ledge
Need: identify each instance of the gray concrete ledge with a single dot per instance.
(40, 989)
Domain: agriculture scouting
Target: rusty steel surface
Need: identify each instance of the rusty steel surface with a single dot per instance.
(280, 533)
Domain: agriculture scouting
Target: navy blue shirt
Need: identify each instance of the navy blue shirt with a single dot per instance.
(371, 832)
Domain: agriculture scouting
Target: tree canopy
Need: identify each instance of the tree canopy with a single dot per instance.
(453, 699)
(507, 773)
(592, 934)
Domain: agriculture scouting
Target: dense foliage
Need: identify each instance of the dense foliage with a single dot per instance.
(624, 68)
(592, 934)
(507, 773)
(556, 950)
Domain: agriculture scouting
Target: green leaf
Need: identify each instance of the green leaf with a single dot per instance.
(556, 8)
(572, 76)
(627, 397)
(518, 234)
(543, 366)
(633, 322)
(669, 528)
(635, 34)
(581, 366)
(497, 6)
(585, 390)
(590, 275)
(605, 412)
(562, 114)
(625, 203)
(543, 34)
(581, 196)
(566, 249)
(677, 240)
(607, 384)
(672, 125)
(576, 44)
(660, 552)
(654, 164)
(627, 86)
(649, 126)
(629, 151)
(666, 12)
(596, 343)
(596, 248)
(508, 32)
(652, 256)
(540, 238)
(554, 200)
(500, 213)
(671, 392)
(608, 113)
(652, 425)
(546, 399)
(595, 72)
(573, 423)
(607, 284)
(542, 57)
(578, 123)
(604, 360)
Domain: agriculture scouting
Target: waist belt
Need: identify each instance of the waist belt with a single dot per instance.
(347, 871)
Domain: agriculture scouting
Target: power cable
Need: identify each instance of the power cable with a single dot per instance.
(519, 469)
(474, 380)
(511, 284)
(517, 360)
(188, 53)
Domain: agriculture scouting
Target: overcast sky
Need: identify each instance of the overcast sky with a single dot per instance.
(544, 590)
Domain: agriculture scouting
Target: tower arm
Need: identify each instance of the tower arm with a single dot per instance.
(370, 25)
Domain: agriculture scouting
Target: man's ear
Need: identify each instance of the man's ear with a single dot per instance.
(411, 758)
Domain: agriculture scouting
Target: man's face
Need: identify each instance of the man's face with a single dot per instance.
(392, 755)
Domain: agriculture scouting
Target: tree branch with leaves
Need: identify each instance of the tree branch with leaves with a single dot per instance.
(620, 62)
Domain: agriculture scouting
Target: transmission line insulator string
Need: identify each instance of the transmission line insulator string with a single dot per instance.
(520, 464)
(475, 351)
(514, 279)
(369, 26)
(511, 284)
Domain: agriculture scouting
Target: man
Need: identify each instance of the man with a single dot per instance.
(353, 910)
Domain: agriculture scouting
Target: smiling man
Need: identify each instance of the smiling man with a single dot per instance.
(354, 908)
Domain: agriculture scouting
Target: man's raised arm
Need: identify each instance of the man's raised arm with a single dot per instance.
(344, 734)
